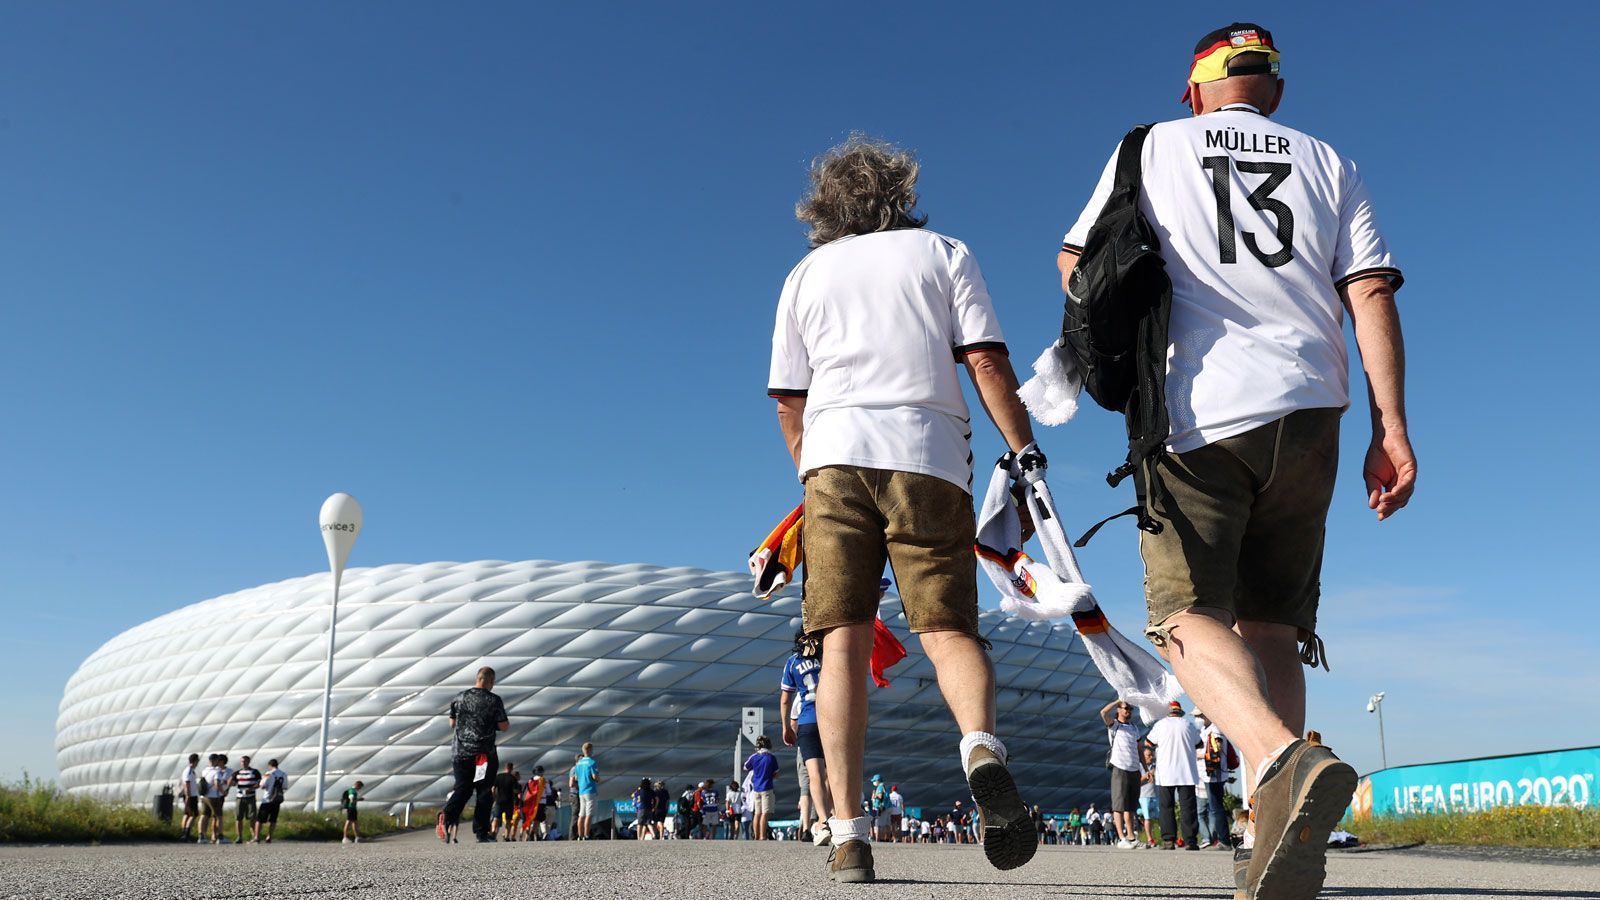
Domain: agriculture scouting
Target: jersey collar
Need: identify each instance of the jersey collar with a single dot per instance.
(1240, 107)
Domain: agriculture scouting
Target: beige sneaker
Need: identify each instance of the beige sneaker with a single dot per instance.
(851, 863)
(1009, 838)
(1301, 797)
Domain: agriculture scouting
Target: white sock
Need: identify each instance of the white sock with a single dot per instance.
(980, 739)
(857, 829)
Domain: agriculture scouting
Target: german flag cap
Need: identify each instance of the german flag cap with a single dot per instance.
(1212, 53)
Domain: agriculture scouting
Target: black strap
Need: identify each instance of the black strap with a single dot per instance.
(1129, 163)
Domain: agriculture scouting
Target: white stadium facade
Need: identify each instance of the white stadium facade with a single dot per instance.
(651, 664)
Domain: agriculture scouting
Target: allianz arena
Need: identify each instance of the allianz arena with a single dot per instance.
(652, 664)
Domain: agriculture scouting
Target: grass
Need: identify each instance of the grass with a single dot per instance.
(38, 812)
(1562, 827)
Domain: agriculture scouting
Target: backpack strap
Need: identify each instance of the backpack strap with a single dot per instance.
(1130, 168)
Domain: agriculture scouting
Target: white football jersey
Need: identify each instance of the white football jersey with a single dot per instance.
(1260, 225)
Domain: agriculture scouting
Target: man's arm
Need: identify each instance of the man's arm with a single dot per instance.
(791, 420)
(1105, 711)
(1390, 470)
(785, 702)
(997, 389)
(1066, 261)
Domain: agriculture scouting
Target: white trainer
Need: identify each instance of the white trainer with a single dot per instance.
(820, 835)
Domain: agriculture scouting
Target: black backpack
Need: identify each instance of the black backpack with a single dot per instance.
(1115, 328)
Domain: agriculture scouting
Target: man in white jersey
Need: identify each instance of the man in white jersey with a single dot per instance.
(1269, 236)
(1177, 772)
(1123, 761)
(872, 327)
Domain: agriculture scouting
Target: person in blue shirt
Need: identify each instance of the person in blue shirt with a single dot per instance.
(763, 769)
(797, 702)
(584, 781)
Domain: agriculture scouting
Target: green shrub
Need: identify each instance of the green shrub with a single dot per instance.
(38, 812)
(1509, 826)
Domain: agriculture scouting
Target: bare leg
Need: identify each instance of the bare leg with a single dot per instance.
(842, 713)
(966, 678)
(1278, 648)
(1221, 673)
(821, 795)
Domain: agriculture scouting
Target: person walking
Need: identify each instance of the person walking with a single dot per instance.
(585, 784)
(797, 708)
(1269, 238)
(1147, 791)
(763, 769)
(663, 801)
(274, 784)
(1175, 739)
(1123, 761)
(1215, 761)
(244, 780)
(870, 328)
(349, 801)
(710, 812)
(878, 809)
(507, 800)
(897, 812)
(533, 805)
(644, 800)
(476, 714)
(189, 794)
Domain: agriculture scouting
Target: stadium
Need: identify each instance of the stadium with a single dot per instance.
(651, 664)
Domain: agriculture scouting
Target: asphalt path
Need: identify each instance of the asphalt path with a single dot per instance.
(418, 866)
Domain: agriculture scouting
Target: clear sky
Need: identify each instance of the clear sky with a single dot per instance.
(506, 273)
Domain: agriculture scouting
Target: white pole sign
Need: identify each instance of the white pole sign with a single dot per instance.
(340, 520)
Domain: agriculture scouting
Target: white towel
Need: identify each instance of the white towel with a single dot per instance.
(1038, 592)
(1051, 395)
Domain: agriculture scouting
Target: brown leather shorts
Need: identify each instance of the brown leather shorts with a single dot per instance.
(1245, 519)
(857, 519)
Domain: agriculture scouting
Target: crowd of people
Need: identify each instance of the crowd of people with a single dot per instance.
(257, 798)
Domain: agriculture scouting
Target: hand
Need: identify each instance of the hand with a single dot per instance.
(788, 733)
(1030, 464)
(1390, 473)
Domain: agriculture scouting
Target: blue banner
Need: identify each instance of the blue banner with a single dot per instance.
(1556, 778)
(624, 809)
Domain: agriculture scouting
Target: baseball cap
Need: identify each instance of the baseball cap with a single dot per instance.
(1212, 53)
(877, 778)
(1174, 708)
(884, 584)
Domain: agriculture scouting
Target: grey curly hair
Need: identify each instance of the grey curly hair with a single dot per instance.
(862, 186)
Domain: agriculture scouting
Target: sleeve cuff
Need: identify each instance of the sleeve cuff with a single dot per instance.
(1074, 249)
(962, 351)
(786, 392)
(1395, 278)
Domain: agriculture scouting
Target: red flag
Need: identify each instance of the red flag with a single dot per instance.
(886, 651)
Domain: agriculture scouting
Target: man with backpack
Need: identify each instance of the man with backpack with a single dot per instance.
(348, 801)
(273, 786)
(1261, 237)
(245, 780)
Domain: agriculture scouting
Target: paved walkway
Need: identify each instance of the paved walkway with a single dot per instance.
(418, 866)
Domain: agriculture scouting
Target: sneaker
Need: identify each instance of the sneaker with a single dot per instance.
(269, 839)
(851, 863)
(1299, 800)
(345, 841)
(356, 839)
(1241, 872)
(1009, 838)
(820, 835)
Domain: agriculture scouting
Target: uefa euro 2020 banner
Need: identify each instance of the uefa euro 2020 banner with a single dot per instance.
(1556, 778)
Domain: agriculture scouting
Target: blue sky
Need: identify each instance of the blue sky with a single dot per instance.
(507, 275)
